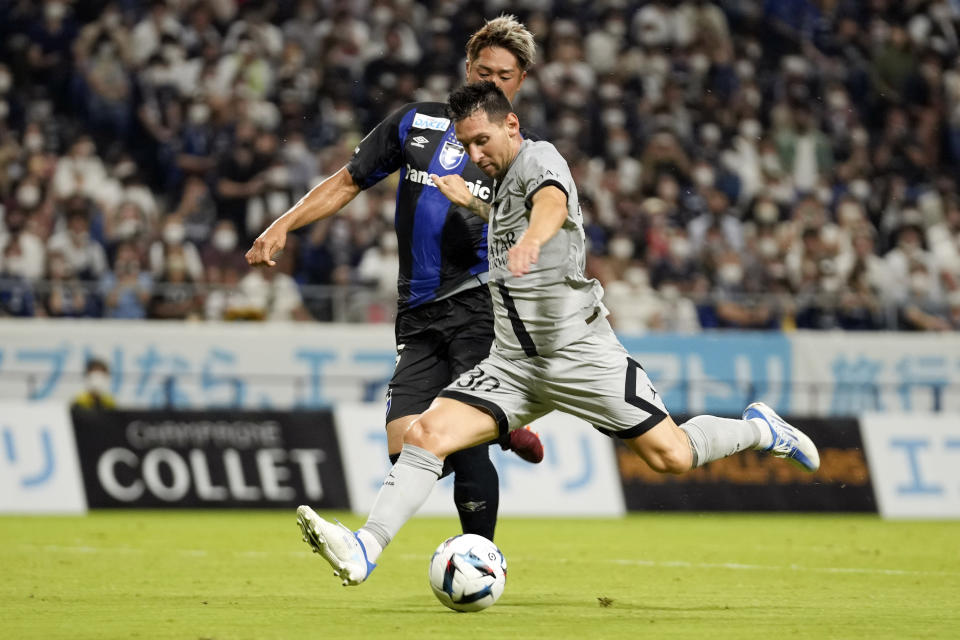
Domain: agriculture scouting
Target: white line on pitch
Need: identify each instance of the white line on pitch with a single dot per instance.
(681, 564)
(791, 567)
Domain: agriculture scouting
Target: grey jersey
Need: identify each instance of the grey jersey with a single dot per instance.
(555, 303)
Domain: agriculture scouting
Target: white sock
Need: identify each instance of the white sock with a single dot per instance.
(370, 545)
(404, 490)
(766, 436)
(712, 438)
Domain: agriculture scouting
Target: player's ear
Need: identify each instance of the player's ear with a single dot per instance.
(512, 122)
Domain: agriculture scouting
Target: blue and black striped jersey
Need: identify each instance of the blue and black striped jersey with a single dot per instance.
(440, 245)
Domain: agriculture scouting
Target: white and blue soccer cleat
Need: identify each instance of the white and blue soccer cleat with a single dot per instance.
(788, 441)
(338, 545)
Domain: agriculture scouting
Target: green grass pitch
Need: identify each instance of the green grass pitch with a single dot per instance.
(230, 574)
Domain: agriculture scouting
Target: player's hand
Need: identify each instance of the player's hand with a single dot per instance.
(266, 246)
(454, 187)
(522, 256)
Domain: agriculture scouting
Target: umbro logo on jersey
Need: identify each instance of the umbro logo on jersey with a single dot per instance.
(418, 142)
(421, 121)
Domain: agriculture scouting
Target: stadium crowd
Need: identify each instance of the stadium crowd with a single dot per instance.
(742, 163)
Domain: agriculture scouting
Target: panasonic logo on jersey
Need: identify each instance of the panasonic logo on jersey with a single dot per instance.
(476, 187)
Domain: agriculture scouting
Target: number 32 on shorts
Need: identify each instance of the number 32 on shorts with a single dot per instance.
(477, 380)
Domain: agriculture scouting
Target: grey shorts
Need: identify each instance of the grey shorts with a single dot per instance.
(594, 379)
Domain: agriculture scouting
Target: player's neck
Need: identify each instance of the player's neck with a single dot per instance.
(515, 144)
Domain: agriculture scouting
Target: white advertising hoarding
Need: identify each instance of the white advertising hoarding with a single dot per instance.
(837, 373)
(39, 470)
(199, 365)
(312, 365)
(914, 463)
(577, 477)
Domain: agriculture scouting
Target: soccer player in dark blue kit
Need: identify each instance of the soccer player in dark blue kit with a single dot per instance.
(444, 323)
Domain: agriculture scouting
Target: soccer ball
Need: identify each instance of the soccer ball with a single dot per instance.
(467, 572)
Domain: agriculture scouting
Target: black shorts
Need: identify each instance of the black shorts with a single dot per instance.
(437, 342)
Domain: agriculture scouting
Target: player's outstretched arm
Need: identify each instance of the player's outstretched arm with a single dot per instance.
(321, 202)
(546, 217)
(454, 187)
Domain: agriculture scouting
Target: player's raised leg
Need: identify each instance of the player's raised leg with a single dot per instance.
(669, 448)
(447, 426)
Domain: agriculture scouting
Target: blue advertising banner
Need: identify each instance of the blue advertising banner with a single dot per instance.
(717, 373)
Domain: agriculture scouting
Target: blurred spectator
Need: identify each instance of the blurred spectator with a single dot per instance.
(222, 253)
(126, 289)
(859, 307)
(85, 256)
(196, 211)
(102, 55)
(174, 294)
(921, 310)
(96, 391)
(633, 304)
(48, 55)
(912, 269)
(241, 179)
(24, 255)
(718, 217)
(803, 136)
(16, 292)
(378, 267)
(65, 296)
(80, 172)
(173, 243)
(149, 32)
(272, 293)
(805, 152)
(734, 309)
(224, 299)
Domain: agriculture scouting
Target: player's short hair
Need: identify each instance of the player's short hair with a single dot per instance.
(508, 33)
(479, 96)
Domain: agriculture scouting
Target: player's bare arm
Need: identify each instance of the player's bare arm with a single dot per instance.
(321, 202)
(546, 217)
(454, 187)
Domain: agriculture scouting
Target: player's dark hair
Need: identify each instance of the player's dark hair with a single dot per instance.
(479, 96)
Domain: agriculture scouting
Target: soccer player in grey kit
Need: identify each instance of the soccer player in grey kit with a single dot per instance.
(444, 323)
(553, 347)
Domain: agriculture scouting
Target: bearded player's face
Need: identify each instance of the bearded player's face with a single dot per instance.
(489, 144)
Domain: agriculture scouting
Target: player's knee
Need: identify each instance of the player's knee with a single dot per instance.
(428, 432)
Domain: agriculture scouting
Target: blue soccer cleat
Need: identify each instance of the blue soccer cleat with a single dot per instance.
(338, 545)
(788, 441)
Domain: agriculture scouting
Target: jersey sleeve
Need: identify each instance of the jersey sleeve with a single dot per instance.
(380, 153)
(546, 167)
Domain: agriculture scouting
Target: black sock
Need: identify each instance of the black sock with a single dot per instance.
(476, 490)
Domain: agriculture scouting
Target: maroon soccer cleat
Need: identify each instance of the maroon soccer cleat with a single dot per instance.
(526, 444)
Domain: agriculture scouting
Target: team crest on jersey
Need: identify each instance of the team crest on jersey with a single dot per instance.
(421, 121)
(451, 155)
